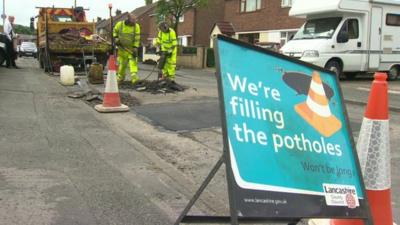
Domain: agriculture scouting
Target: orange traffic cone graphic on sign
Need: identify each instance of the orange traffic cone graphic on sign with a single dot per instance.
(374, 154)
(111, 98)
(316, 109)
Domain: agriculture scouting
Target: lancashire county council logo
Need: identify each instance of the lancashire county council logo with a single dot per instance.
(341, 195)
(351, 201)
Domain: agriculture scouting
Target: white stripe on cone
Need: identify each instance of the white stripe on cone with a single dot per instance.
(317, 88)
(111, 83)
(321, 110)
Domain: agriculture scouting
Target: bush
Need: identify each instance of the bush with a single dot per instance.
(210, 58)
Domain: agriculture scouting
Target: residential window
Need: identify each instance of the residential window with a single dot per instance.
(287, 3)
(250, 5)
(286, 36)
(351, 26)
(182, 19)
(251, 38)
(393, 19)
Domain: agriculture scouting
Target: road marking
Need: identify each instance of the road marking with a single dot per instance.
(395, 92)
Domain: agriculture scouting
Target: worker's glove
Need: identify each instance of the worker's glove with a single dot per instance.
(135, 53)
(117, 41)
(155, 43)
(169, 52)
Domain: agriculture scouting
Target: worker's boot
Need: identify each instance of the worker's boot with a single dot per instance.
(170, 77)
(134, 79)
(160, 76)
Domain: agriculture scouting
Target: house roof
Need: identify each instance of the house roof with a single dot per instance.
(106, 23)
(226, 28)
(142, 10)
(137, 12)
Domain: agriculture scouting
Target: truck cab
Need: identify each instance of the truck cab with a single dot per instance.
(348, 36)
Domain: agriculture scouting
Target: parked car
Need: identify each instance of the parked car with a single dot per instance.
(3, 51)
(28, 49)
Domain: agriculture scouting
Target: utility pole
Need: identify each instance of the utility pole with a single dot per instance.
(75, 4)
(3, 16)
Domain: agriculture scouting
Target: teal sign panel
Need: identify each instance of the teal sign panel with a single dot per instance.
(287, 135)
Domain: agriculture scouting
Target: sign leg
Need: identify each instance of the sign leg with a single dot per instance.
(230, 180)
(201, 189)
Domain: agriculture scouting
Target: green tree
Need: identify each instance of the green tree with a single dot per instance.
(172, 10)
(149, 2)
(20, 29)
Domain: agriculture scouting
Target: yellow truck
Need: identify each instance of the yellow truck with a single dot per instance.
(65, 37)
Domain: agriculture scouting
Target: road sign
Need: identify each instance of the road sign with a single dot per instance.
(286, 133)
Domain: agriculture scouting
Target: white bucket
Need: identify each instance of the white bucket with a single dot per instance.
(67, 75)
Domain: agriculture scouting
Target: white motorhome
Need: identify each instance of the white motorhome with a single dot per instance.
(348, 36)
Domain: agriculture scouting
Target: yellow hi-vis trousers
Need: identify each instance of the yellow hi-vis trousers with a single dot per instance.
(170, 66)
(123, 59)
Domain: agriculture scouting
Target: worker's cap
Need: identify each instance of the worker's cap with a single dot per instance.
(163, 25)
(132, 15)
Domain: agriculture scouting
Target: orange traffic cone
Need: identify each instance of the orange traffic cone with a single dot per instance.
(316, 109)
(111, 98)
(374, 154)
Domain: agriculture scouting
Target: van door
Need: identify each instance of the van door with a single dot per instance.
(350, 50)
(375, 39)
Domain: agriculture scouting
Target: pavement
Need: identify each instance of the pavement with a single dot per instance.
(61, 162)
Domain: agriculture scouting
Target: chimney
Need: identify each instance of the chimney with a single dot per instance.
(118, 12)
(149, 2)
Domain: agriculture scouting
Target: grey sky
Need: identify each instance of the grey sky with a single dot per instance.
(24, 9)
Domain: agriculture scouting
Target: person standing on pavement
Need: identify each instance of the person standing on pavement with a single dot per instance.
(127, 39)
(9, 32)
(168, 43)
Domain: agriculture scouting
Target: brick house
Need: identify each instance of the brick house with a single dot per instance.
(194, 26)
(261, 21)
(253, 21)
(103, 25)
(143, 18)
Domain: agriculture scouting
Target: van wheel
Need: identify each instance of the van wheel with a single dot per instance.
(335, 67)
(394, 73)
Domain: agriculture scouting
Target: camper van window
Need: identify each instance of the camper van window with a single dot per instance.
(351, 27)
(318, 28)
(393, 19)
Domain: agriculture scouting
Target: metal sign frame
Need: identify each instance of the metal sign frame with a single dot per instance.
(234, 219)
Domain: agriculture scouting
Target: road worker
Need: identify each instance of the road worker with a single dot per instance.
(167, 41)
(11, 38)
(127, 40)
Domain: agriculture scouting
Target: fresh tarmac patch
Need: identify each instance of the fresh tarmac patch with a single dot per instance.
(188, 116)
(182, 116)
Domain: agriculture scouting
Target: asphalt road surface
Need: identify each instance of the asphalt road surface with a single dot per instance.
(63, 163)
